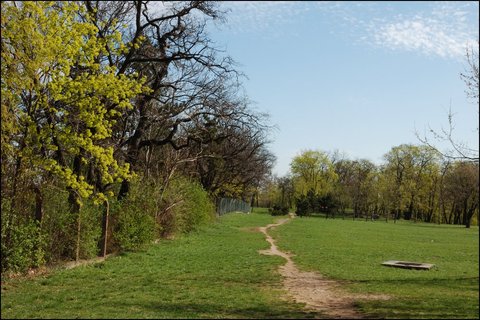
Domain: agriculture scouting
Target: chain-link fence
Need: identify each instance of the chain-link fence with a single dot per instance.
(226, 205)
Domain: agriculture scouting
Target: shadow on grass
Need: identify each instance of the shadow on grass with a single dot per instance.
(460, 281)
(438, 226)
(209, 311)
(409, 309)
(338, 216)
(463, 306)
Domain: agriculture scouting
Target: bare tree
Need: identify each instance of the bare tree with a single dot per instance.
(459, 150)
(470, 75)
(236, 165)
(191, 84)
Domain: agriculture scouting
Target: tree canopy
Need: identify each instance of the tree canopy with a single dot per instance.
(58, 100)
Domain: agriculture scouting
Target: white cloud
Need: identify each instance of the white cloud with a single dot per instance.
(431, 28)
(444, 32)
(262, 16)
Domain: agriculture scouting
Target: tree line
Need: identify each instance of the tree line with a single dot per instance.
(413, 183)
(121, 122)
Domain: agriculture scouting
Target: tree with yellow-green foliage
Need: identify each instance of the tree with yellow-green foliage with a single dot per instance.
(314, 178)
(313, 170)
(59, 101)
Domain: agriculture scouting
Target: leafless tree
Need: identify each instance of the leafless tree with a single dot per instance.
(236, 165)
(194, 87)
(459, 150)
(470, 75)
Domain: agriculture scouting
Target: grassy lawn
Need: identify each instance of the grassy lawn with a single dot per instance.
(214, 273)
(354, 250)
(218, 273)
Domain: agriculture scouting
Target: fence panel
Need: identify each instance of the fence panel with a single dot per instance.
(226, 205)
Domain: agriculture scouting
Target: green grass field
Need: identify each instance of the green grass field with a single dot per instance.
(218, 273)
(214, 273)
(354, 250)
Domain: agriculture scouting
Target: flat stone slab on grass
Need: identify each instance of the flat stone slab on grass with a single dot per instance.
(408, 264)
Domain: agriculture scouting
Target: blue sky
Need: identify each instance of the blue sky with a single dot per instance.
(359, 77)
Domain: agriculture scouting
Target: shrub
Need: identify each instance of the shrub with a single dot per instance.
(327, 203)
(278, 210)
(189, 207)
(303, 206)
(90, 229)
(132, 220)
(25, 246)
(61, 225)
(134, 227)
(312, 202)
(147, 212)
(26, 249)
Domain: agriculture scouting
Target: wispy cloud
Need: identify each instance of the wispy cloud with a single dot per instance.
(262, 16)
(430, 28)
(445, 31)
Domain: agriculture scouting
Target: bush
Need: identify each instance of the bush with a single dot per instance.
(312, 202)
(90, 229)
(25, 246)
(27, 243)
(189, 207)
(134, 227)
(132, 220)
(327, 203)
(60, 226)
(278, 210)
(303, 206)
(148, 212)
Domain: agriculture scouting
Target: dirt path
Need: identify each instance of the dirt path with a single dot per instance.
(318, 293)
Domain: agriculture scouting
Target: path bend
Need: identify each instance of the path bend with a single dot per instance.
(318, 293)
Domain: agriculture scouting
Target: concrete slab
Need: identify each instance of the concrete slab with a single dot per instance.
(408, 265)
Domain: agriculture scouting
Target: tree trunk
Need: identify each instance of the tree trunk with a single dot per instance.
(38, 204)
(104, 239)
(132, 157)
(469, 214)
(77, 251)
(133, 145)
(74, 201)
(13, 202)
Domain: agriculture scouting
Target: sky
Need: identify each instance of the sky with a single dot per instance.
(357, 77)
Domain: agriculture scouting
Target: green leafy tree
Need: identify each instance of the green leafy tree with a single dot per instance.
(60, 101)
(461, 191)
(410, 174)
(361, 186)
(313, 170)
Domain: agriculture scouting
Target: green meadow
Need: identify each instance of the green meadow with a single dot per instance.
(217, 272)
(214, 273)
(352, 252)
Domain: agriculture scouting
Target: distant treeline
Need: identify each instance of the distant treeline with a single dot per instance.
(413, 183)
